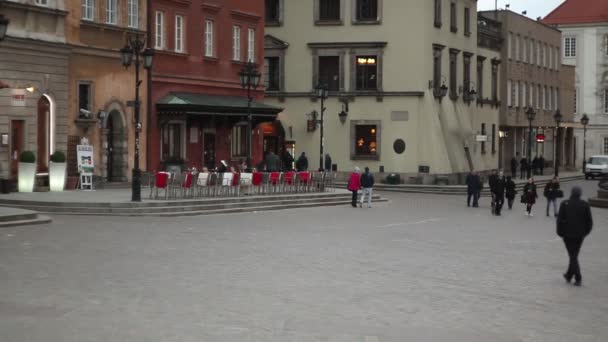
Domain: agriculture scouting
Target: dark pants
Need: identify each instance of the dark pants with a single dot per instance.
(475, 195)
(510, 202)
(523, 173)
(573, 245)
(514, 173)
(542, 171)
(499, 201)
(354, 199)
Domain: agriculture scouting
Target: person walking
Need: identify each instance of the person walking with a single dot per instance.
(473, 188)
(535, 165)
(273, 163)
(523, 168)
(514, 165)
(574, 223)
(286, 160)
(327, 163)
(354, 184)
(302, 163)
(552, 193)
(529, 196)
(499, 193)
(367, 184)
(510, 191)
(492, 182)
(541, 164)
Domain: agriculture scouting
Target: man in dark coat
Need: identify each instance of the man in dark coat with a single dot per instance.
(510, 191)
(272, 161)
(492, 183)
(514, 165)
(327, 163)
(574, 223)
(302, 163)
(499, 193)
(523, 167)
(473, 188)
(286, 160)
(535, 165)
(541, 165)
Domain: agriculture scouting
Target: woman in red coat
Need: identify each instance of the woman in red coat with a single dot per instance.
(354, 184)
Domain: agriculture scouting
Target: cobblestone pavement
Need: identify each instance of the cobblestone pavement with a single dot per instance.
(419, 268)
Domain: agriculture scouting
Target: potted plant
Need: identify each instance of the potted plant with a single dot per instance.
(57, 171)
(27, 171)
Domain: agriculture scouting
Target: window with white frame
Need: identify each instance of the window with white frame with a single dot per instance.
(606, 45)
(111, 12)
(525, 50)
(239, 141)
(518, 48)
(133, 13)
(159, 32)
(510, 92)
(532, 97)
(539, 47)
(556, 99)
(173, 141)
(538, 97)
(546, 53)
(606, 101)
(42, 2)
(251, 45)
(605, 147)
(550, 99)
(236, 43)
(511, 49)
(209, 38)
(179, 33)
(570, 47)
(88, 9)
(516, 97)
(524, 97)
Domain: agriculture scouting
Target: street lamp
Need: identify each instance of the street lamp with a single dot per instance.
(558, 119)
(250, 79)
(322, 93)
(531, 114)
(3, 26)
(585, 122)
(136, 53)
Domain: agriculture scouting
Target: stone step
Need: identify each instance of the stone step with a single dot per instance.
(39, 219)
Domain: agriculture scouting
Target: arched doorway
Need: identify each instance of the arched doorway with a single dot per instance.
(43, 134)
(116, 148)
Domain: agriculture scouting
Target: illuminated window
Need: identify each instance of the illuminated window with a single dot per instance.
(366, 143)
(367, 73)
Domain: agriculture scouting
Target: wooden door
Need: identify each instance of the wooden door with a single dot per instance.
(43, 135)
(209, 150)
(17, 141)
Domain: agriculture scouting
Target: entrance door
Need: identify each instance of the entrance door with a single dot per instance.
(209, 150)
(17, 135)
(110, 150)
(43, 135)
(271, 144)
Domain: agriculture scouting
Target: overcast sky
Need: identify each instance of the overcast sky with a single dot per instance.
(535, 8)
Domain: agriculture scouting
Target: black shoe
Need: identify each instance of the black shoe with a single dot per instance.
(567, 277)
(578, 283)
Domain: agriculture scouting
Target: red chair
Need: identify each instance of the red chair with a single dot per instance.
(274, 181)
(304, 181)
(289, 180)
(161, 182)
(236, 183)
(187, 185)
(257, 181)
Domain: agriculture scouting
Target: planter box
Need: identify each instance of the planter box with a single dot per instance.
(26, 177)
(57, 174)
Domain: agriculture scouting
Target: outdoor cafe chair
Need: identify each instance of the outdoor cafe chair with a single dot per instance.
(303, 181)
(246, 181)
(176, 184)
(202, 183)
(147, 181)
(235, 187)
(274, 182)
(257, 182)
(212, 184)
(226, 183)
(289, 181)
(161, 182)
(187, 185)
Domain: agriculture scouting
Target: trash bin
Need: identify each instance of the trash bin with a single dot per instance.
(393, 178)
(4, 186)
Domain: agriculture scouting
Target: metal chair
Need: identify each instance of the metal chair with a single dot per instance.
(289, 181)
(161, 182)
(246, 181)
(226, 183)
(202, 183)
(176, 185)
(274, 182)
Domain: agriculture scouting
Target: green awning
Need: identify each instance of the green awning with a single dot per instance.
(204, 104)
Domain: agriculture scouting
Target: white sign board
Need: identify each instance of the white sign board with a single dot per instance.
(84, 153)
(18, 97)
(481, 138)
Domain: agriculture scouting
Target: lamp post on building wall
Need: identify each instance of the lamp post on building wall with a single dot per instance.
(137, 54)
(585, 122)
(322, 93)
(3, 26)
(250, 79)
(558, 119)
(531, 114)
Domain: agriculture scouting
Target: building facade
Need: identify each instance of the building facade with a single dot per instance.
(100, 88)
(584, 43)
(533, 77)
(34, 62)
(199, 112)
(386, 64)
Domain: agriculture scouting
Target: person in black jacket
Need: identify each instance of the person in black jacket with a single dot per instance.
(541, 164)
(510, 192)
(535, 165)
(302, 163)
(492, 183)
(499, 193)
(574, 223)
(327, 163)
(529, 196)
(367, 183)
(523, 167)
(552, 193)
(473, 188)
(514, 165)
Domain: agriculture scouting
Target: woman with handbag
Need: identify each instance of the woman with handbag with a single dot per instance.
(529, 196)
(552, 193)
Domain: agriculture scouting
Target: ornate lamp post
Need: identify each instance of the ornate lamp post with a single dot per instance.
(585, 122)
(322, 93)
(136, 53)
(531, 114)
(3, 26)
(558, 119)
(250, 79)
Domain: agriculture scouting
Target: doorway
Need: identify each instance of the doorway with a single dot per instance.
(116, 148)
(17, 140)
(42, 157)
(209, 150)
(271, 144)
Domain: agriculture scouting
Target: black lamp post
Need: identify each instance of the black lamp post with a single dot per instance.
(585, 122)
(136, 53)
(322, 93)
(531, 114)
(250, 79)
(3, 26)
(558, 119)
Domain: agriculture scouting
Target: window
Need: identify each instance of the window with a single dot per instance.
(517, 48)
(366, 142)
(88, 9)
(111, 9)
(329, 10)
(542, 54)
(236, 43)
(516, 94)
(466, 72)
(538, 97)
(510, 94)
(173, 141)
(42, 2)
(530, 51)
(367, 73)
(179, 33)
(524, 96)
(543, 97)
(606, 45)
(494, 80)
(525, 50)
(453, 73)
(605, 101)
(367, 10)
(438, 13)
(532, 97)
(273, 11)
(511, 48)
(159, 35)
(271, 73)
(85, 96)
(546, 54)
(437, 68)
(329, 72)
(479, 89)
(550, 98)
(133, 13)
(467, 21)
(239, 141)
(570, 47)
(493, 138)
(251, 45)
(209, 38)
(483, 143)
(539, 55)
(556, 99)
(605, 145)
(453, 23)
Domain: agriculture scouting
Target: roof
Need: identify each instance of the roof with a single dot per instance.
(212, 104)
(578, 12)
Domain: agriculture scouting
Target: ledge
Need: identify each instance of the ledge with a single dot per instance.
(104, 26)
(329, 22)
(281, 94)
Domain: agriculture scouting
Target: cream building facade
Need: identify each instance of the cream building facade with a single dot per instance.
(386, 62)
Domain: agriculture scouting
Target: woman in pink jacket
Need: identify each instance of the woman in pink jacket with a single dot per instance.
(354, 184)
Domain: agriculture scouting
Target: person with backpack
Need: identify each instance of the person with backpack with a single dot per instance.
(367, 183)
(354, 184)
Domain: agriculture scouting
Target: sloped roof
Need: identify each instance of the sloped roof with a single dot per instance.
(578, 12)
(204, 103)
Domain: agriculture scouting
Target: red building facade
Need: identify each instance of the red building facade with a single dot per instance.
(199, 109)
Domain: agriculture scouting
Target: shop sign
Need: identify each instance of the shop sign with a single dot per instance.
(84, 153)
(18, 97)
(481, 138)
(540, 138)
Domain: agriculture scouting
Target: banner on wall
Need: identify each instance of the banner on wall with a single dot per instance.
(84, 153)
